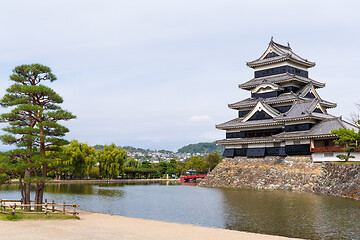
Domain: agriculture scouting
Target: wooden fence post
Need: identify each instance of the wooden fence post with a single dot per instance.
(14, 207)
(53, 206)
(64, 208)
(74, 213)
(46, 206)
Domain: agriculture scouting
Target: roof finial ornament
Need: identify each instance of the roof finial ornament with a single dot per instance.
(272, 39)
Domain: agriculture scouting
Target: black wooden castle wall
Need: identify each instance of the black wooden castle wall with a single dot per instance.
(300, 149)
(279, 70)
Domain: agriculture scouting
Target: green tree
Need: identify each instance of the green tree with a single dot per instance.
(212, 160)
(180, 168)
(132, 163)
(111, 159)
(33, 124)
(13, 165)
(197, 163)
(348, 138)
(94, 172)
(162, 167)
(81, 158)
(146, 164)
(171, 167)
(3, 178)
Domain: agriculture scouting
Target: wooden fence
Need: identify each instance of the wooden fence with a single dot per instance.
(10, 206)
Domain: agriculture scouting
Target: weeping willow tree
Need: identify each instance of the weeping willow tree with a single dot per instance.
(33, 127)
(81, 158)
(132, 163)
(111, 159)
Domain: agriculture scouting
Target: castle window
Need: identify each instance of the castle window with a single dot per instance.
(270, 71)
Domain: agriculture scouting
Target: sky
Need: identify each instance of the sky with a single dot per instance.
(159, 74)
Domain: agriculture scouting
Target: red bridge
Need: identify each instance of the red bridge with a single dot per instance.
(191, 178)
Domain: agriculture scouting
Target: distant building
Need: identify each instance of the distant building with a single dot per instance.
(284, 115)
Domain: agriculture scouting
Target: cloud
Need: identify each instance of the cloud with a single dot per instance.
(199, 118)
(146, 73)
(154, 139)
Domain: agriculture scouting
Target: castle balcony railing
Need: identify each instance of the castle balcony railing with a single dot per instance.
(329, 149)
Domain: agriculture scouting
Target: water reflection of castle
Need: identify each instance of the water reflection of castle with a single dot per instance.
(284, 115)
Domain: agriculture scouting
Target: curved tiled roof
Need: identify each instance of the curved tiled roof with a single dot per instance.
(250, 102)
(283, 53)
(238, 123)
(303, 109)
(279, 78)
(283, 98)
(321, 129)
(300, 110)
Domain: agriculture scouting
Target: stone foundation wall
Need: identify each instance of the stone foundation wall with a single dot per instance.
(342, 180)
(293, 173)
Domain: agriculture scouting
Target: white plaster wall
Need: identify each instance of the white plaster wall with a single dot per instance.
(257, 145)
(302, 141)
(319, 157)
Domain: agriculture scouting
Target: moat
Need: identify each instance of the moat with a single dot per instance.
(301, 215)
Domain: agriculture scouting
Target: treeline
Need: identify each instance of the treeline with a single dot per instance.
(83, 161)
(205, 147)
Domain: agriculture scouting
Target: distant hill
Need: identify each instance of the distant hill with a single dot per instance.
(206, 147)
(99, 147)
(134, 149)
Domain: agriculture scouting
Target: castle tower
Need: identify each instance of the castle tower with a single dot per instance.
(284, 115)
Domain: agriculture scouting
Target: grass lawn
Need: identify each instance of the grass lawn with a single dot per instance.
(350, 163)
(35, 216)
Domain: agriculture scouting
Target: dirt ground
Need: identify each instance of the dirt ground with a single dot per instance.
(104, 226)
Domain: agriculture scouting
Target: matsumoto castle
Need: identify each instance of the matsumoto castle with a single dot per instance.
(284, 115)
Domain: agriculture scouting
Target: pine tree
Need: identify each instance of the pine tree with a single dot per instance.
(33, 125)
(349, 139)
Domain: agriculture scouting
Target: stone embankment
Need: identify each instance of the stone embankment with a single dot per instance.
(341, 180)
(293, 173)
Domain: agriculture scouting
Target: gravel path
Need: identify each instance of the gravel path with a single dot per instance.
(104, 226)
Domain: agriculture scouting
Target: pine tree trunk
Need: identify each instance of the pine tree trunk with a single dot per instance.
(21, 184)
(27, 186)
(40, 185)
(37, 189)
(348, 156)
